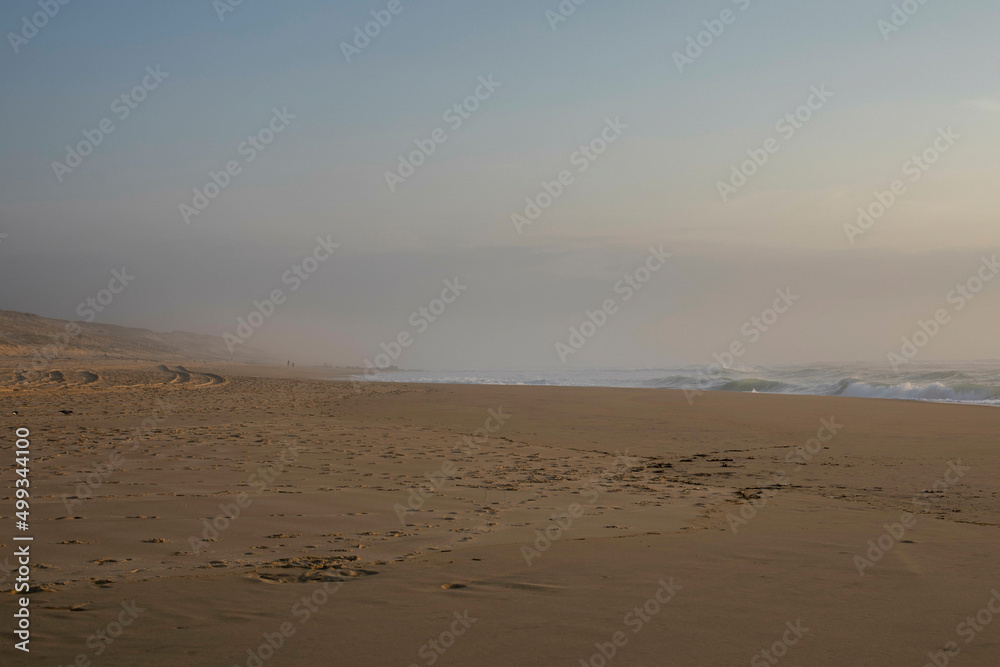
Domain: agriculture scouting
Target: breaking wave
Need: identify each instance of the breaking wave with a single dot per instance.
(976, 382)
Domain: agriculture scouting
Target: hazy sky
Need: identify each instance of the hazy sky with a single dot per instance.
(609, 68)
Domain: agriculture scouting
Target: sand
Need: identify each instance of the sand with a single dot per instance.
(385, 524)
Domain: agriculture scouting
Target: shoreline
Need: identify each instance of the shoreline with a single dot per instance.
(664, 389)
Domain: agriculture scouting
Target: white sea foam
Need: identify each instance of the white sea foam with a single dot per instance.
(958, 382)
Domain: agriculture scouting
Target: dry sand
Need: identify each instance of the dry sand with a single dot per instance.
(697, 504)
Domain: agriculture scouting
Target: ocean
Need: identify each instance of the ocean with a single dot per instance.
(975, 382)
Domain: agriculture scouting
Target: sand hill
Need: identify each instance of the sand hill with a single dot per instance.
(41, 340)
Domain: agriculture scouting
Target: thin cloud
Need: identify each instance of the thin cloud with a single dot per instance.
(991, 106)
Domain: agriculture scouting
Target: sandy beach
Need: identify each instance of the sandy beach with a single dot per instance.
(187, 514)
(500, 334)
